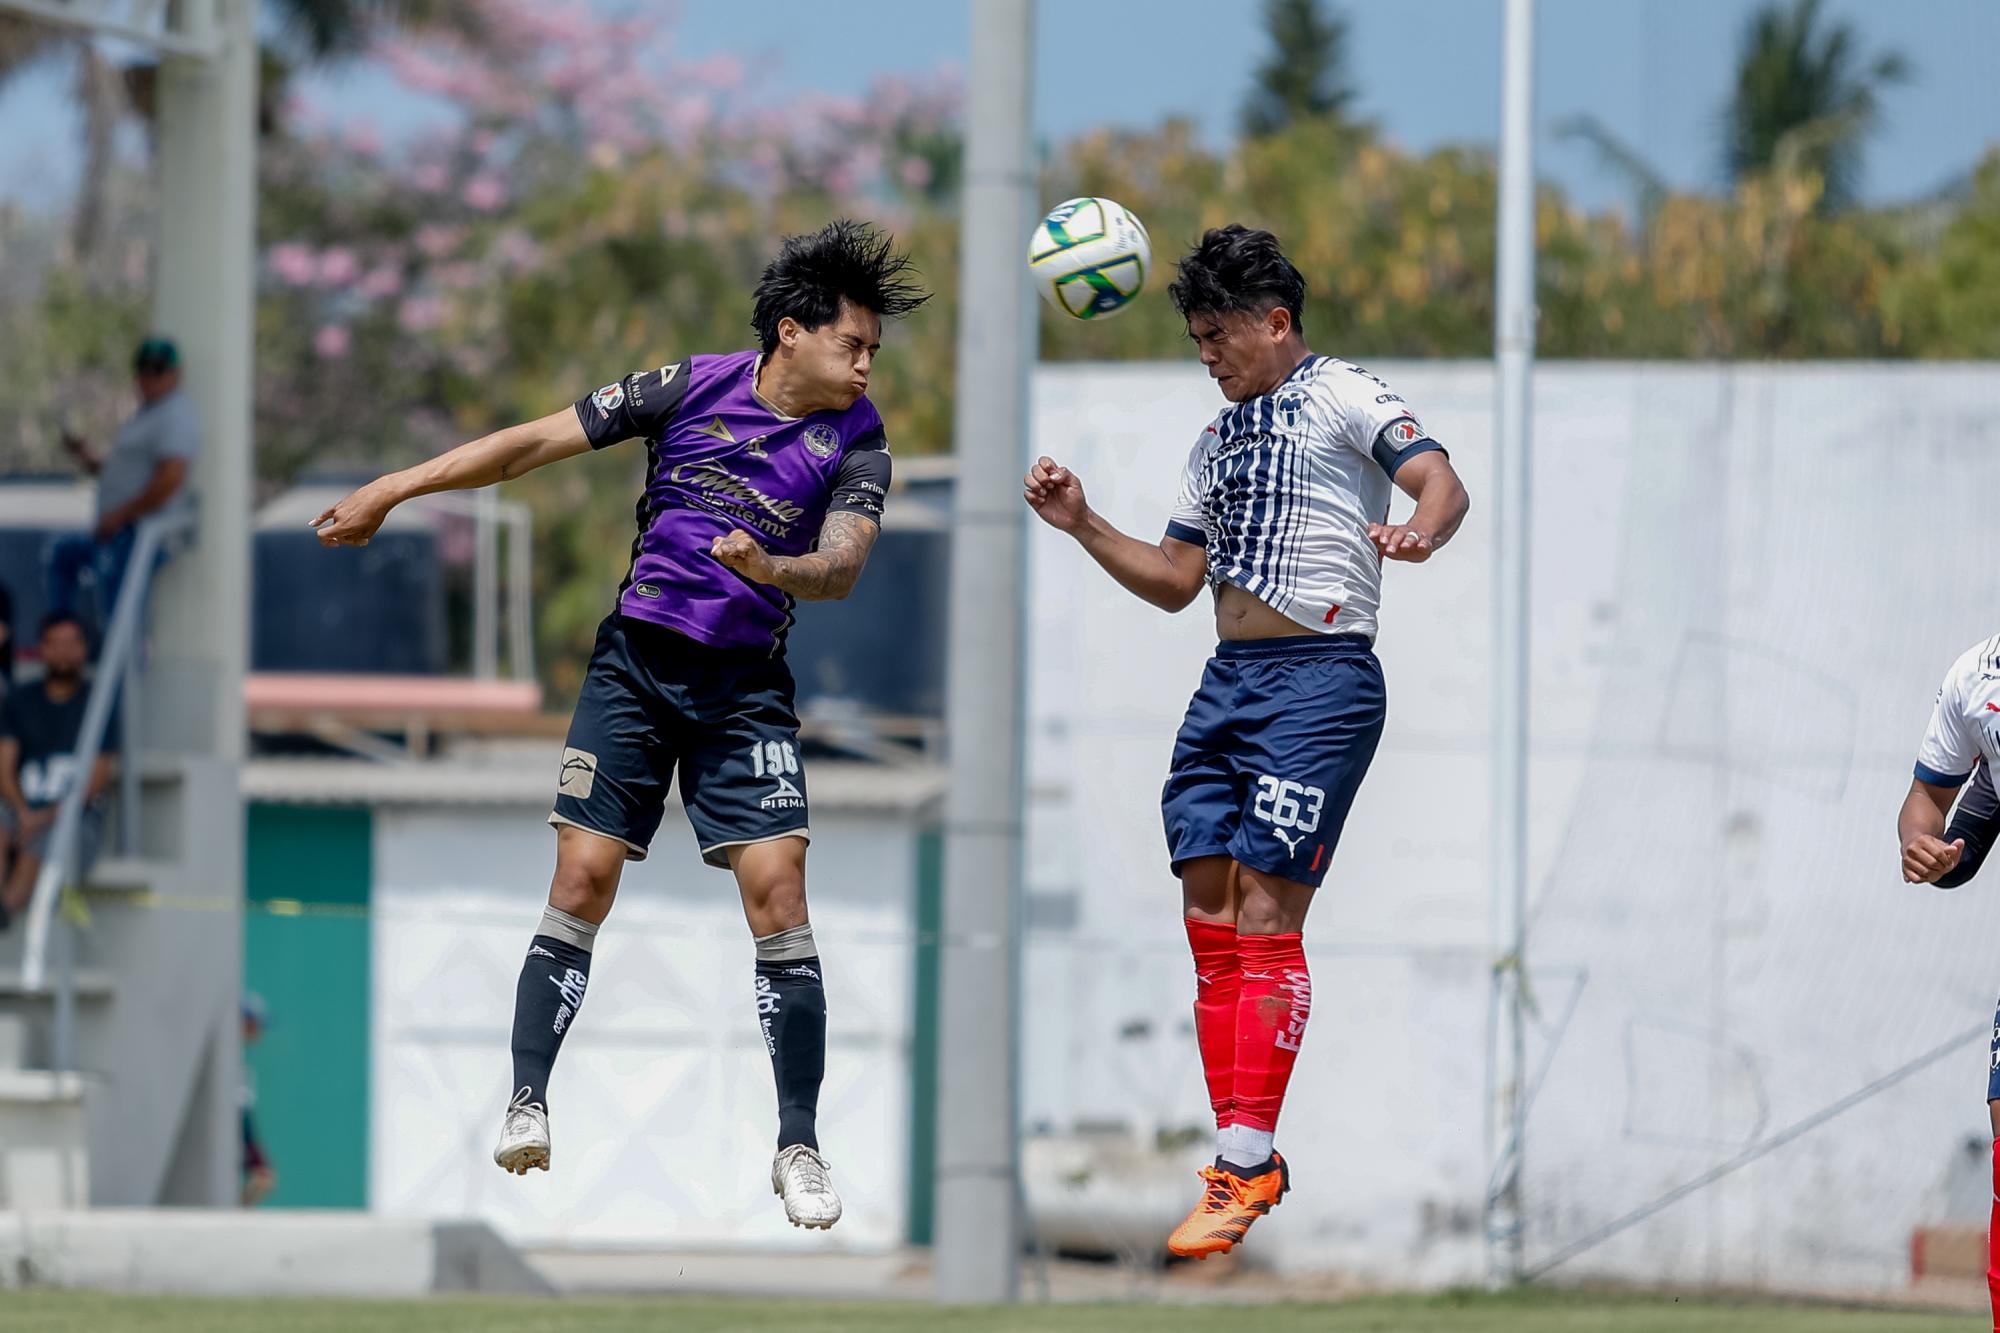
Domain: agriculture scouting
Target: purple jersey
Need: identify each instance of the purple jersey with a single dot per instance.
(720, 457)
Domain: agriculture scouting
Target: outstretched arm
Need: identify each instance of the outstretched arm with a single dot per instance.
(501, 456)
(1168, 573)
(826, 574)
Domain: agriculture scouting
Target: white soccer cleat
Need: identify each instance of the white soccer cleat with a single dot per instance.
(524, 1136)
(803, 1180)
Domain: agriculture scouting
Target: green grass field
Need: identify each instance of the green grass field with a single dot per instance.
(1538, 1312)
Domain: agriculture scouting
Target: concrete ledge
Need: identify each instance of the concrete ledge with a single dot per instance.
(264, 1252)
(44, 1149)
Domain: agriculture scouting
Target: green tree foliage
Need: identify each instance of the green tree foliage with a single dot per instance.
(596, 211)
(1304, 77)
(1804, 88)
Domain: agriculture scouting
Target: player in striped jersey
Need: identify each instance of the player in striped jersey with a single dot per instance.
(1284, 512)
(1963, 741)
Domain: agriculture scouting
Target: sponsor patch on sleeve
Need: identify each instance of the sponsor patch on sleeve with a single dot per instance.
(1404, 433)
(609, 399)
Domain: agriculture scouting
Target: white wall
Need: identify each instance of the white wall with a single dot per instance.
(663, 1117)
(1747, 583)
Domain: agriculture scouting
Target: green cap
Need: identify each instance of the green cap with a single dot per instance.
(156, 355)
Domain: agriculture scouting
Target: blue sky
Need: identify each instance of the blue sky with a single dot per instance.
(1655, 71)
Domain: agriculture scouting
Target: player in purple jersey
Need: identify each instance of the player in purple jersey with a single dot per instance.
(766, 472)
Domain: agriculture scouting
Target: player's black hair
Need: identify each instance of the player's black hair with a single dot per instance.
(1238, 268)
(54, 618)
(812, 273)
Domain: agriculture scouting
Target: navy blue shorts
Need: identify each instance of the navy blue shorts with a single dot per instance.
(655, 703)
(1276, 742)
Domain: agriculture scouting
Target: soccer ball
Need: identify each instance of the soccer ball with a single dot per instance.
(1089, 257)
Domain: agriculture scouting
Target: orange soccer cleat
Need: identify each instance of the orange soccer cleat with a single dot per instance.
(1229, 1204)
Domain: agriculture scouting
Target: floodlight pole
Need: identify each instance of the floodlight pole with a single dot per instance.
(978, 1234)
(1514, 354)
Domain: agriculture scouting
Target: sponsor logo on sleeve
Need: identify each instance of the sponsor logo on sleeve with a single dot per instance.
(609, 399)
(1402, 434)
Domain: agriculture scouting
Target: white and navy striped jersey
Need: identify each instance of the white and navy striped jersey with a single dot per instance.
(1281, 491)
(1965, 725)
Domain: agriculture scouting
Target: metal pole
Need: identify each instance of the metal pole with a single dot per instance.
(1514, 351)
(978, 1236)
(485, 582)
(520, 593)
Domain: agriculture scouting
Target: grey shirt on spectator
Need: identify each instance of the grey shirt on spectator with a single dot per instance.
(162, 429)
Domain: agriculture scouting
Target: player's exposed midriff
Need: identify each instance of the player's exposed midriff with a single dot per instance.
(1242, 615)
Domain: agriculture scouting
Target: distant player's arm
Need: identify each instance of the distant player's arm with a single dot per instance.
(501, 456)
(1947, 757)
(1927, 857)
(1168, 573)
(1976, 824)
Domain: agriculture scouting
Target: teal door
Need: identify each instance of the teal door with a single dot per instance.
(305, 954)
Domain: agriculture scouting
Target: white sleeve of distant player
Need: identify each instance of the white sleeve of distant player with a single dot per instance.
(1189, 522)
(1950, 751)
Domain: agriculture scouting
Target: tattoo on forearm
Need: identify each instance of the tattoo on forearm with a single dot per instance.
(831, 570)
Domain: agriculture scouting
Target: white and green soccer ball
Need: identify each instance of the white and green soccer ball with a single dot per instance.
(1089, 257)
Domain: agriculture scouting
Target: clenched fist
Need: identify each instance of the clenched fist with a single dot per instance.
(742, 553)
(1055, 495)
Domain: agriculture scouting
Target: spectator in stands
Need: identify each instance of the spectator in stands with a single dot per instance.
(144, 474)
(41, 724)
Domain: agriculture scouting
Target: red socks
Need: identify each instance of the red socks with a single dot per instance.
(1252, 996)
(1215, 988)
(1993, 1242)
(1271, 1010)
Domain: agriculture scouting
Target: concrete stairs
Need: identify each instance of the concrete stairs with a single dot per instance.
(147, 1116)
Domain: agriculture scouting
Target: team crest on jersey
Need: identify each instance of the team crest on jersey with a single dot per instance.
(609, 398)
(1402, 434)
(1291, 408)
(821, 441)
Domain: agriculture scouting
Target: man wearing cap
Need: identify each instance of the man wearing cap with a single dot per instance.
(144, 474)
